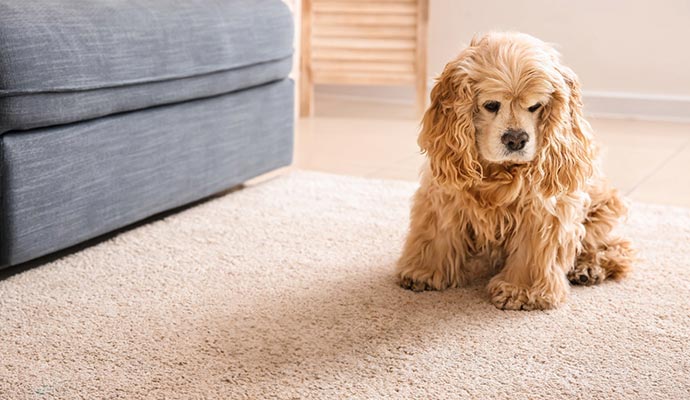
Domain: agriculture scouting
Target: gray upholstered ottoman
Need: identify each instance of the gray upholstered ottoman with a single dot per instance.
(114, 110)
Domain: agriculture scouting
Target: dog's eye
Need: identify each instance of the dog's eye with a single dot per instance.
(492, 106)
(534, 107)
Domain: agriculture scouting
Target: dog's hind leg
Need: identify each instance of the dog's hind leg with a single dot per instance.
(604, 255)
(611, 260)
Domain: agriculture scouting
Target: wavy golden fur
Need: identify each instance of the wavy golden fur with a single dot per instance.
(535, 217)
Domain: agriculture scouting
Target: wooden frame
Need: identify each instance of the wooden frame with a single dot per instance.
(363, 42)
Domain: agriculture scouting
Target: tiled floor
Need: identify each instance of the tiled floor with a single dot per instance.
(648, 161)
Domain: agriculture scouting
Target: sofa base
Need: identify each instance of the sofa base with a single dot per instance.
(63, 185)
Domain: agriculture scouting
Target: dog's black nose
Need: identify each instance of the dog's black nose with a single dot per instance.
(514, 140)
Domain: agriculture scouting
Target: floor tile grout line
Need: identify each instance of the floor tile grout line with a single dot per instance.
(658, 167)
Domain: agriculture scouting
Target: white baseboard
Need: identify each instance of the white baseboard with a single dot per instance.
(597, 104)
(637, 106)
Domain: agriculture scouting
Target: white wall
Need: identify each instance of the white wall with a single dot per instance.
(636, 46)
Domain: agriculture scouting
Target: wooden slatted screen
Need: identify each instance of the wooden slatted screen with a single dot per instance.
(363, 42)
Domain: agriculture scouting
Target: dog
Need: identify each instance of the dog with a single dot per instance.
(512, 186)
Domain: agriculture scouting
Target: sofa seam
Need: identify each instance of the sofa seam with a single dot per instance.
(23, 92)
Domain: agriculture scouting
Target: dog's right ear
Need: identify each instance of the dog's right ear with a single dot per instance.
(448, 134)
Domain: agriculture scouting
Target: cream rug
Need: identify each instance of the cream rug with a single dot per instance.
(285, 290)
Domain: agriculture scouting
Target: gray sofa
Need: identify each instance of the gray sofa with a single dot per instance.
(112, 111)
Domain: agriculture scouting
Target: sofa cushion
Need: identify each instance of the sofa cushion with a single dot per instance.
(52, 52)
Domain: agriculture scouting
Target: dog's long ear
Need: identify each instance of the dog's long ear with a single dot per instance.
(566, 158)
(448, 134)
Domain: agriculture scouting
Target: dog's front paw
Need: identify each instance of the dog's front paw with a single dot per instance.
(419, 284)
(587, 274)
(413, 285)
(507, 296)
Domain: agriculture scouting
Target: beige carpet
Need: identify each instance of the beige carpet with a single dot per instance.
(285, 290)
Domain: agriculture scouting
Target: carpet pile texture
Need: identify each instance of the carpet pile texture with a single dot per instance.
(286, 290)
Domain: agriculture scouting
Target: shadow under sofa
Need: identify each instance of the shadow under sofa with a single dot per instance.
(111, 112)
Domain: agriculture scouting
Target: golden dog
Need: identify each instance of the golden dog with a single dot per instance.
(512, 186)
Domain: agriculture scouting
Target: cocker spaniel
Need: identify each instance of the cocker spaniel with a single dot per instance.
(512, 187)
